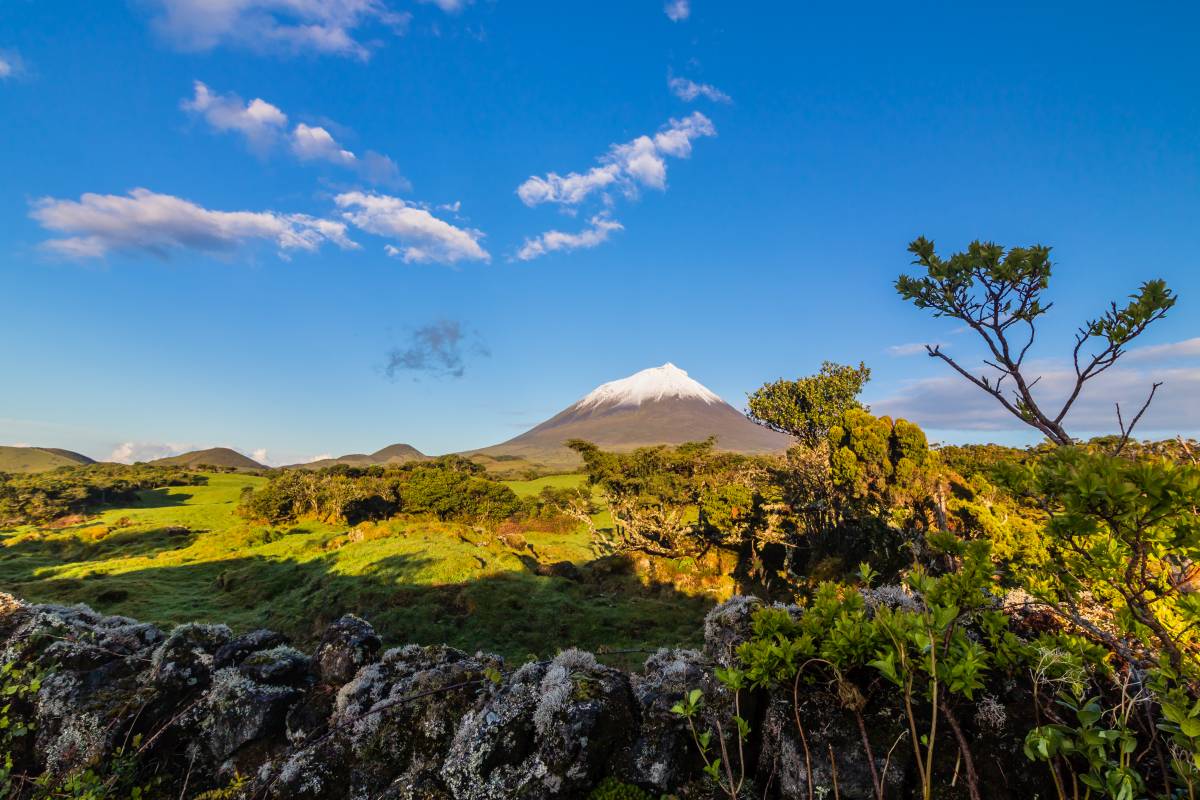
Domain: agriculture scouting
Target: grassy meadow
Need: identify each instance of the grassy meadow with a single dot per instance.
(179, 554)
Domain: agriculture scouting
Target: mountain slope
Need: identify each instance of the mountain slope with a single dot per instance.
(212, 457)
(661, 405)
(39, 459)
(392, 454)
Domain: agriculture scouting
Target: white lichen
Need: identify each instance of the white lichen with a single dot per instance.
(990, 713)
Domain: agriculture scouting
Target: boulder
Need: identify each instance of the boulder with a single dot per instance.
(554, 729)
(234, 711)
(235, 651)
(347, 645)
(727, 626)
(184, 661)
(664, 755)
(389, 728)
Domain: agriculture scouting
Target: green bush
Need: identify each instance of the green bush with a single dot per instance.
(449, 489)
(613, 789)
(41, 497)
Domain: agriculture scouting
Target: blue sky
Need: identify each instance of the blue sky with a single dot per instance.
(312, 228)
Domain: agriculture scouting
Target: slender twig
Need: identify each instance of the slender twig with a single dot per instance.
(1126, 432)
(862, 730)
(964, 750)
(800, 728)
(833, 767)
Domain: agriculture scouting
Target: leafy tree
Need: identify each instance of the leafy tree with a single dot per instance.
(875, 463)
(998, 294)
(674, 500)
(1125, 536)
(575, 503)
(808, 407)
(450, 489)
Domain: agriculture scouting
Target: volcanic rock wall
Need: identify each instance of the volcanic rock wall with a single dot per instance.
(199, 709)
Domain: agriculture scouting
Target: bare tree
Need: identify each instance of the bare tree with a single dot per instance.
(998, 295)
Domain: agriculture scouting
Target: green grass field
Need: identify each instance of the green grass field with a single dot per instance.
(530, 488)
(181, 554)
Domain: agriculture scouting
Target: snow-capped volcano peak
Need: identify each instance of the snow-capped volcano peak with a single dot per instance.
(656, 383)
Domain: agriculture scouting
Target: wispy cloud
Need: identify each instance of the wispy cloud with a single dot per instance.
(948, 402)
(161, 224)
(597, 232)
(677, 10)
(422, 236)
(911, 349)
(323, 27)
(449, 6)
(626, 167)
(11, 64)
(264, 126)
(439, 349)
(688, 90)
(1184, 349)
(639, 162)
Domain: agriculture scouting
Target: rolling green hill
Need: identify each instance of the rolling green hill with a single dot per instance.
(212, 457)
(39, 459)
(179, 554)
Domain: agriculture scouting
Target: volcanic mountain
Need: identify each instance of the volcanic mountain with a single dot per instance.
(212, 457)
(392, 454)
(661, 405)
(39, 459)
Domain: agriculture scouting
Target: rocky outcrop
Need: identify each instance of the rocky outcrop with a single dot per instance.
(198, 709)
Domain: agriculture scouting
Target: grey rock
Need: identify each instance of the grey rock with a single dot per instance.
(348, 644)
(554, 729)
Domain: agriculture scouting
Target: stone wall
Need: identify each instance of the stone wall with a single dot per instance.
(199, 706)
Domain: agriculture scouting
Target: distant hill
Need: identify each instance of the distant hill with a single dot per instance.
(39, 459)
(212, 457)
(661, 405)
(392, 454)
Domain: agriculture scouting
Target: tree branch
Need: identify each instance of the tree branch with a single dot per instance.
(1126, 432)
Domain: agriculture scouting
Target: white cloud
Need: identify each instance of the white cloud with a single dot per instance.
(677, 10)
(316, 144)
(949, 402)
(572, 189)
(422, 236)
(639, 162)
(260, 455)
(264, 127)
(911, 349)
(1187, 348)
(131, 452)
(689, 90)
(161, 223)
(597, 233)
(289, 26)
(318, 457)
(259, 121)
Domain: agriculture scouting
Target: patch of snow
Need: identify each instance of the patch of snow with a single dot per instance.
(656, 383)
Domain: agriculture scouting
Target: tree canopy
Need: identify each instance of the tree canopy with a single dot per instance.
(808, 407)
